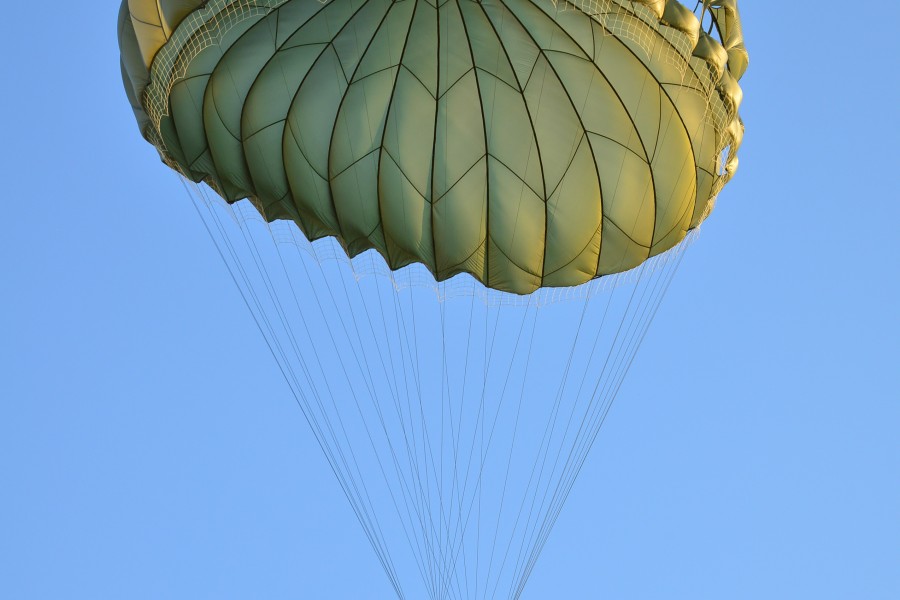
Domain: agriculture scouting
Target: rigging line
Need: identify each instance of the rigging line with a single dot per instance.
(446, 393)
(552, 426)
(596, 424)
(623, 349)
(325, 378)
(502, 395)
(452, 583)
(455, 503)
(400, 475)
(269, 342)
(365, 305)
(375, 402)
(479, 425)
(360, 482)
(479, 419)
(490, 353)
(413, 472)
(479, 491)
(459, 500)
(394, 292)
(440, 478)
(427, 452)
(536, 531)
(251, 243)
(373, 396)
(612, 347)
(587, 366)
(606, 384)
(401, 321)
(459, 534)
(427, 531)
(669, 276)
(518, 414)
(262, 312)
(602, 420)
(403, 356)
(544, 448)
(547, 439)
(389, 345)
(457, 432)
(522, 552)
(428, 449)
(460, 528)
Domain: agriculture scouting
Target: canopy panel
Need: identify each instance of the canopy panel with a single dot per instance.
(529, 143)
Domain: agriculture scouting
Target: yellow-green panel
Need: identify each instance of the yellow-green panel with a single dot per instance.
(526, 142)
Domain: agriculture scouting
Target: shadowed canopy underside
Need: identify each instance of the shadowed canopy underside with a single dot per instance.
(530, 143)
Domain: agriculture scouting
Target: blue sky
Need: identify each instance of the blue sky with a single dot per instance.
(150, 449)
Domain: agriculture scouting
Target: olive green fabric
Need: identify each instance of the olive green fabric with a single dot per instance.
(155, 20)
(526, 142)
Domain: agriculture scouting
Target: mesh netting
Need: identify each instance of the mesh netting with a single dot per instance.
(620, 19)
(637, 23)
(202, 29)
(677, 48)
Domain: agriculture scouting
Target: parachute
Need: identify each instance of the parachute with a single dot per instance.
(453, 221)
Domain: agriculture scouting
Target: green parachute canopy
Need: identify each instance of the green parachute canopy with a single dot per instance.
(529, 143)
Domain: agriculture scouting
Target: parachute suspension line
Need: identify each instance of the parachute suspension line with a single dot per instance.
(411, 446)
(479, 424)
(236, 267)
(361, 483)
(410, 457)
(457, 494)
(461, 523)
(260, 317)
(551, 427)
(251, 243)
(426, 455)
(427, 447)
(531, 545)
(500, 399)
(414, 479)
(456, 532)
(566, 483)
(374, 398)
(509, 460)
(663, 281)
(424, 489)
(545, 441)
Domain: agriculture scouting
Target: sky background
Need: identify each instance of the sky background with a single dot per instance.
(149, 447)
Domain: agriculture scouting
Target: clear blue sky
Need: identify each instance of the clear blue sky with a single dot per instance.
(150, 449)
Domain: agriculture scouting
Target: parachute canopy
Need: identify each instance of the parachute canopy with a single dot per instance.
(529, 143)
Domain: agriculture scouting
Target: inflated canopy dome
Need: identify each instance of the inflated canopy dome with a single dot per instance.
(529, 143)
